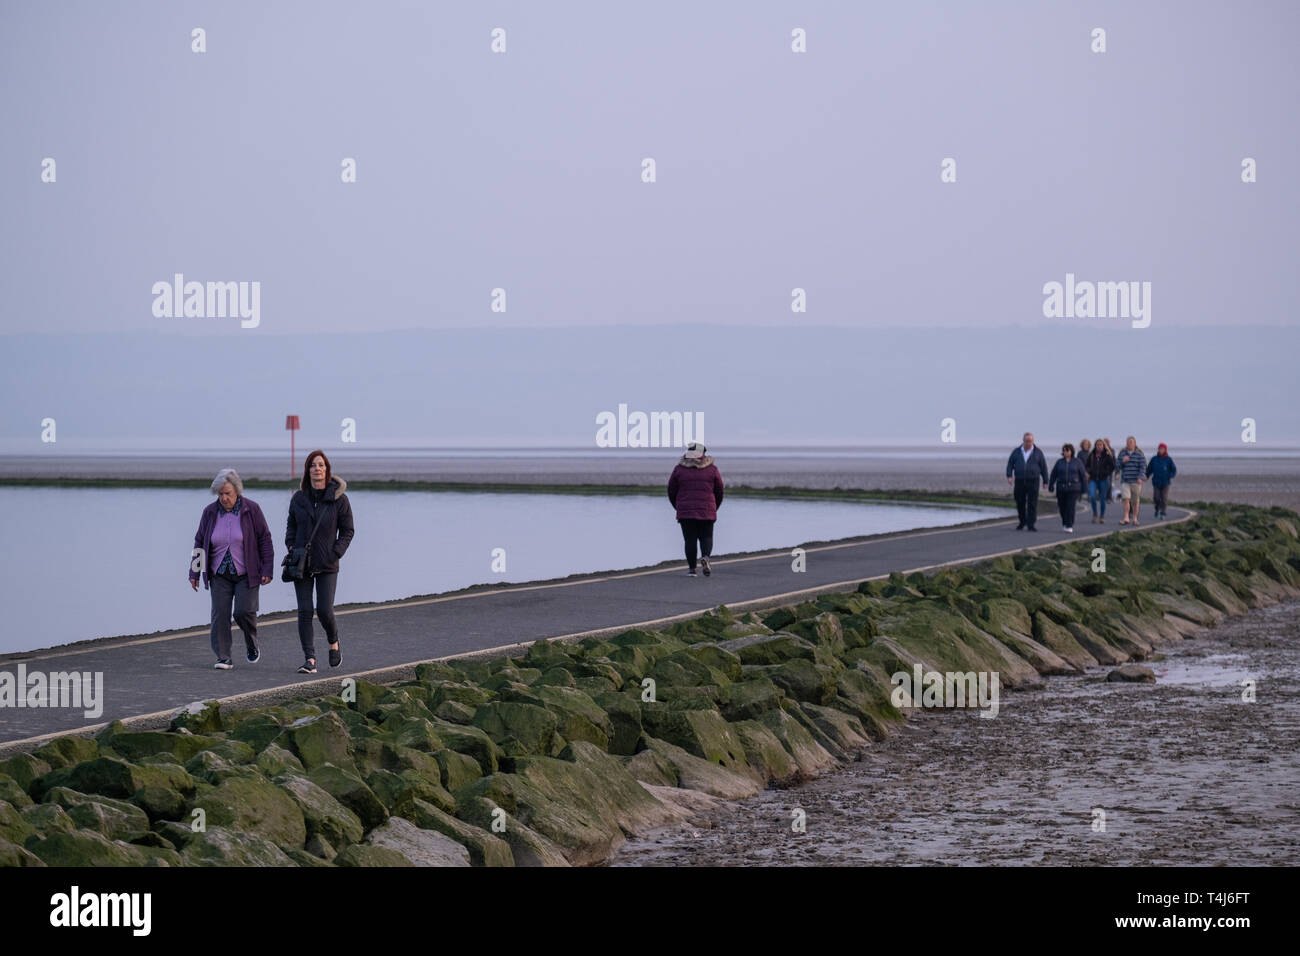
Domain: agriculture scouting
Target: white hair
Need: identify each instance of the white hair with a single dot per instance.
(227, 475)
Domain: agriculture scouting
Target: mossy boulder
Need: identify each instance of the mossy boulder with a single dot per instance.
(319, 740)
(24, 769)
(14, 826)
(764, 753)
(112, 777)
(533, 727)
(324, 816)
(12, 855)
(66, 752)
(456, 770)
(703, 733)
(252, 804)
(275, 760)
(398, 792)
(471, 741)
(227, 846)
(257, 729)
(579, 717)
(111, 818)
(133, 745)
(810, 756)
(484, 848)
(159, 803)
(420, 847)
(665, 764)
(84, 848)
(804, 680)
(584, 801)
(351, 791)
(717, 659)
(201, 717)
(527, 847)
(746, 699)
(770, 648)
(623, 710)
(1061, 642)
(12, 794)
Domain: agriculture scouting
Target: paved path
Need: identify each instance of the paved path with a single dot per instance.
(159, 674)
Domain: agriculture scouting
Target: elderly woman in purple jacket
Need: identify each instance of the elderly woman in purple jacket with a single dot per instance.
(234, 551)
(695, 490)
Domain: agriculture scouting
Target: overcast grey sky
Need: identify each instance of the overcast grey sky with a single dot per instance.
(775, 170)
(522, 170)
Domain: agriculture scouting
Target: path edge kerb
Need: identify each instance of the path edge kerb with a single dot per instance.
(400, 672)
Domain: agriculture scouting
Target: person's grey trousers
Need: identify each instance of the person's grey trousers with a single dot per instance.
(228, 590)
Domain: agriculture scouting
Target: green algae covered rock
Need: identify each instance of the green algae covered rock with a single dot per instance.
(67, 751)
(484, 848)
(351, 791)
(111, 818)
(252, 804)
(419, 847)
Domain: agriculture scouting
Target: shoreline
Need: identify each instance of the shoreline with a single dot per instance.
(885, 805)
(560, 742)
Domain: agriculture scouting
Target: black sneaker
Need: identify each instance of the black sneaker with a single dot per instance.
(222, 665)
(704, 566)
(308, 667)
(336, 656)
(253, 653)
(690, 572)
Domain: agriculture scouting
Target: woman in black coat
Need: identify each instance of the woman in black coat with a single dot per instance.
(1069, 478)
(319, 503)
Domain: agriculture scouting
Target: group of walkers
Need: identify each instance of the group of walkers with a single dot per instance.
(236, 550)
(1090, 473)
(234, 554)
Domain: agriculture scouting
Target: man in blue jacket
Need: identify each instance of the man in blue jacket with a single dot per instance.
(1161, 470)
(1029, 467)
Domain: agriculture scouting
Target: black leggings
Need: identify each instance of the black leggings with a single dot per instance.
(325, 584)
(1066, 500)
(693, 530)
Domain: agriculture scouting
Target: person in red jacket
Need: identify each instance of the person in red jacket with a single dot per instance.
(695, 490)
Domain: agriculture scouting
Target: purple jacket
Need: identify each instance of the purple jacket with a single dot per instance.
(695, 489)
(259, 550)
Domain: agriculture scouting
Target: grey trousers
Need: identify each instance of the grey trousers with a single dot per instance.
(229, 590)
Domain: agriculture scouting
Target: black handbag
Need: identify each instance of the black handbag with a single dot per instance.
(295, 562)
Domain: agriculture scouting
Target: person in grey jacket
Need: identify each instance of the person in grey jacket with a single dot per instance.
(1068, 480)
(1025, 468)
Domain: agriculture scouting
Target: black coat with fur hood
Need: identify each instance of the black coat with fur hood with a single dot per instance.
(332, 508)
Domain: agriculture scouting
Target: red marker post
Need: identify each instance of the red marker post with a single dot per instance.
(291, 425)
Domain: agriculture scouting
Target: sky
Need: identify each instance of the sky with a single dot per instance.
(522, 171)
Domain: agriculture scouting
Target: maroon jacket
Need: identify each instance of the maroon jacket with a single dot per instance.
(695, 489)
(259, 549)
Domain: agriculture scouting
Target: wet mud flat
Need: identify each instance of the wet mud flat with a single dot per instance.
(1080, 772)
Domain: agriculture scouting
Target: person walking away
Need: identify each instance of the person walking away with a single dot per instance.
(1100, 465)
(1161, 470)
(237, 552)
(1024, 469)
(1131, 463)
(1068, 480)
(320, 520)
(695, 490)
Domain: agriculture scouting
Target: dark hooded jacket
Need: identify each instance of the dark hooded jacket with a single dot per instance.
(331, 507)
(695, 488)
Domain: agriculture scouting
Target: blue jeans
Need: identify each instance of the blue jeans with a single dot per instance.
(1098, 491)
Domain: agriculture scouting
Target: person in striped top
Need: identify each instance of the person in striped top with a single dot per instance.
(1132, 464)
